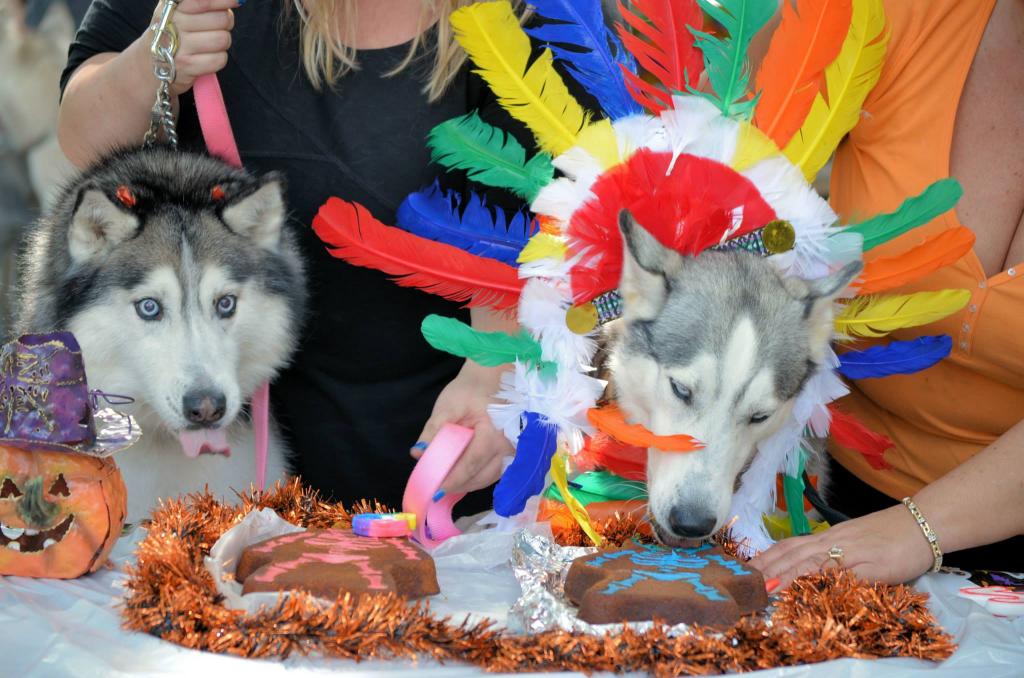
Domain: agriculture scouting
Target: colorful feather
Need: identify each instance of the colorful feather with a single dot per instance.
(543, 246)
(725, 59)
(877, 316)
(611, 420)
(356, 237)
(524, 477)
(489, 349)
(489, 155)
(663, 46)
(438, 215)
(603, 451)
(532, 93)
(898, 357)
(941, 250)
(848, 80)
(937, 199)
(807, 40)
(576, 33)
(848, 432)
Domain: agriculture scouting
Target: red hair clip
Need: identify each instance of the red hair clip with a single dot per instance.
(217, 193)
(126, 196)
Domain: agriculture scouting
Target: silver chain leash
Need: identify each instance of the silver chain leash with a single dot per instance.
(163, 48)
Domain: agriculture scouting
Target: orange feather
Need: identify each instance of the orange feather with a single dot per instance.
(934, 253)
(356, 237)
(612, 421)
(807, 40)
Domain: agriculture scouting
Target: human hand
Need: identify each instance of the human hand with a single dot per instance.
(464, 401)
(886, 547)
(204, 36)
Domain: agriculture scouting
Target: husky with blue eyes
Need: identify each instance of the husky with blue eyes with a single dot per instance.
(185, 291)
(717, 346)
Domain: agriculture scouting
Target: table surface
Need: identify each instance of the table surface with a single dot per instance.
(72, 628)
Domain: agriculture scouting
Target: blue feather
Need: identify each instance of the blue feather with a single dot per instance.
(898, 357)
(578, 37)
(438, 215)
(524, 477)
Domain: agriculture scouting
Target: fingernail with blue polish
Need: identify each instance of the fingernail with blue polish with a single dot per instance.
(439, 496)
(420, 446)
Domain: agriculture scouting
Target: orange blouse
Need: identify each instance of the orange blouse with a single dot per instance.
(942, 416)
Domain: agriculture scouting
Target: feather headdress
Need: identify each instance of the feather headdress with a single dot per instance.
(703, 169)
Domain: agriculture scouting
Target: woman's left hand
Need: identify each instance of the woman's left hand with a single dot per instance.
(464, 401)
(887, 546)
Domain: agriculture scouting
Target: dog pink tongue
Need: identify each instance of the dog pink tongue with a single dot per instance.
(204, 441)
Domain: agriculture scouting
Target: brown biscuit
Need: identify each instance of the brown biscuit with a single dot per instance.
(328, 562)
(639, 582)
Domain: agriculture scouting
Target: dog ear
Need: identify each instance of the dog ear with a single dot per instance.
(647, 266)
(98, 225)
(818, 300)
(259, 215)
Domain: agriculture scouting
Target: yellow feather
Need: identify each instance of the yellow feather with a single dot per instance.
(599, 140)
(492, 37)
(752, 146)
(559, 475)
(542, 246)
(876, 316)
(848, 80)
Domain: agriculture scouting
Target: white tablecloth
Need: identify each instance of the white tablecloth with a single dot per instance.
(53, 628)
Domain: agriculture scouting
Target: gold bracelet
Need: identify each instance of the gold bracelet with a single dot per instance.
(929, 533)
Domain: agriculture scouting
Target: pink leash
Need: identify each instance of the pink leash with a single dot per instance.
(220, 141)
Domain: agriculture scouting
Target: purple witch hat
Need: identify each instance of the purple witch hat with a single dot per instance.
(46, 404)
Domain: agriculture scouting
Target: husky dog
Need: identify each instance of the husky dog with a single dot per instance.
(718, 347)
(184, 289)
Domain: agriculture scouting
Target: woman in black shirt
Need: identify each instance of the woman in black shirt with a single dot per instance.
(339, 95)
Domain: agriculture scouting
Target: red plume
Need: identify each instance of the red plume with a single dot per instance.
(356, 237)
(601, 451)
(849, 432)
(668, 53)
(688, 210)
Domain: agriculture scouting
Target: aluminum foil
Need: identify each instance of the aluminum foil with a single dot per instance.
(541, 566)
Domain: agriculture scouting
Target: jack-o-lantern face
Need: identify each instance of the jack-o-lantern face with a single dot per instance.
(60, 512)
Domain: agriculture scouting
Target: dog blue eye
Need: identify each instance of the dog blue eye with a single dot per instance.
(226, 305)
(149, 309)
(681, 391)
(759, 418)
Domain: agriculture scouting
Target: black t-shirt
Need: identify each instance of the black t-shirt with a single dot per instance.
(364, 381)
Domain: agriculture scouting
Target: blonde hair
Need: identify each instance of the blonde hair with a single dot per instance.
(327, 53)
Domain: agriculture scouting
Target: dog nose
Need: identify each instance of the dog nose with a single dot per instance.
(690, 525)
(205, 408)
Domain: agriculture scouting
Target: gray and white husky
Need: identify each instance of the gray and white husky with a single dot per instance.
(718, 347)
(177, 276)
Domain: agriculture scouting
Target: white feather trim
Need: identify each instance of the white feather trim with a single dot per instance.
(542, 308)
(640, 131)
(696, 127)
(561, 198)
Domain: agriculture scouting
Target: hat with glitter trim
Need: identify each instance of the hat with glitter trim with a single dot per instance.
(46, 404)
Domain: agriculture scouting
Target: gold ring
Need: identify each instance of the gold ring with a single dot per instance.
(835, 553)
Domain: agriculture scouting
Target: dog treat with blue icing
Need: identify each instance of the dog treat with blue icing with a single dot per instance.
(640, 582)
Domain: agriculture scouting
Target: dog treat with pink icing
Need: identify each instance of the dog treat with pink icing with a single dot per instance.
(640, 582)
(331, 562)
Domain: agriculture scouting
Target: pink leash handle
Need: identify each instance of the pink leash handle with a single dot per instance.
(434, 518)
(220, 142)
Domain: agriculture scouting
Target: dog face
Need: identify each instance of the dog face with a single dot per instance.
(181, 287)
(717, 347)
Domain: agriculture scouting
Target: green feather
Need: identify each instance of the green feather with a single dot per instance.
(598, 486)
(937, 199)
(725, 60)
(489, 349)
(490, 156)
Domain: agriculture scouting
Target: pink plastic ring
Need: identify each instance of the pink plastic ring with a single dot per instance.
(434, 518)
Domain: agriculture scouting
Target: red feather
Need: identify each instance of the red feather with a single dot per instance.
(664, 47)
(688, 210)
(356, 237)
(604, 452)
(849, 432)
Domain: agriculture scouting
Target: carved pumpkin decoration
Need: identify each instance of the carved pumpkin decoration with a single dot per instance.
(60, 512)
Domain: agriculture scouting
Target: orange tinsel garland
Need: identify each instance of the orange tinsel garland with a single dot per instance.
(171, 595)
